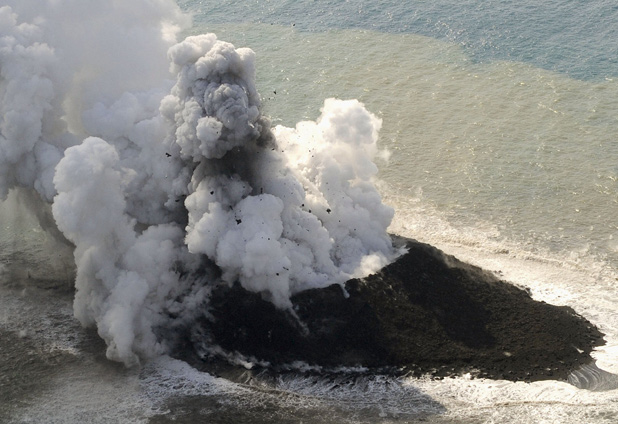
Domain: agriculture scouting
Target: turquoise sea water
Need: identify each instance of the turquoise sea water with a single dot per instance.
(570, 37)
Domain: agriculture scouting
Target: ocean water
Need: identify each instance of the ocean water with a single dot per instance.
(500, 113)
(500, 122)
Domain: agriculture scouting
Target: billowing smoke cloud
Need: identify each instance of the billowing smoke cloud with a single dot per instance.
(30, 107)
(167, 188)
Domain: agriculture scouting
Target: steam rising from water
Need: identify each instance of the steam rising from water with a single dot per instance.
(167, 187)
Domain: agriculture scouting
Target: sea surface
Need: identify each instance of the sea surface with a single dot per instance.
(500, 123)
(497, 114)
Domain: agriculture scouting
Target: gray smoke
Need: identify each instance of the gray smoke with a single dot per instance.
(170, 183)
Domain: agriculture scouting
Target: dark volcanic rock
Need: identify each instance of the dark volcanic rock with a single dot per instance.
(426, 313)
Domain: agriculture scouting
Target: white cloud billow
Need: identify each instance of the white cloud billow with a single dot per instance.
(170, 183)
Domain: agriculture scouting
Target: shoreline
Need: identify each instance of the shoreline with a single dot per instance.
(427, 313)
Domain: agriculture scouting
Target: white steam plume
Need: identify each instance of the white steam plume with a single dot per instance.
(169, 189)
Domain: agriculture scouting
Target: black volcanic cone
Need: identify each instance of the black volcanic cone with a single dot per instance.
(426, 313)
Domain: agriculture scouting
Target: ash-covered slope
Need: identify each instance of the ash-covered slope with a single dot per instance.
(426, 313)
